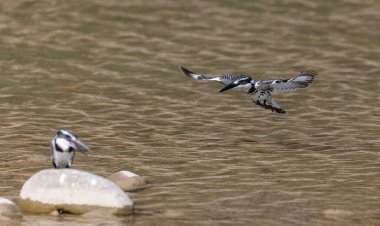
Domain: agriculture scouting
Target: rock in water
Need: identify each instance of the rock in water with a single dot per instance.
(72, 191)
(128, 181)
(9, 208)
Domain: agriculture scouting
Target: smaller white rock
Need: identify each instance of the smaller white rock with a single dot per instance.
(128, 181)
(338, 214)
(129, 174)
(4, 201)
(9, 208)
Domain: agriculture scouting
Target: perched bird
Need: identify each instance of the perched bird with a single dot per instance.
(260, 90)
(63, 147)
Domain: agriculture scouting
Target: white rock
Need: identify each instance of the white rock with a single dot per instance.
(9, 208)
(128, 174)
(128, 181)
(74, 191)
(338, 214)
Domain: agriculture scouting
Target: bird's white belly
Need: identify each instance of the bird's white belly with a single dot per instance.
(63, 159)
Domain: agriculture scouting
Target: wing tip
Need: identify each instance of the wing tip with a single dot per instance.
(186, 71)
(310, 73)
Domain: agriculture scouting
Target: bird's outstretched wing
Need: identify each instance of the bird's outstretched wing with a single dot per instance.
(286, 85)
(225, 79)
(264, 99)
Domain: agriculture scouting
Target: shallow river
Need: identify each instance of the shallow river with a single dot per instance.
(109, 70)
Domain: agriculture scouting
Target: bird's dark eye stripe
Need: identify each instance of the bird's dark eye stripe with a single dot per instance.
(71, 149)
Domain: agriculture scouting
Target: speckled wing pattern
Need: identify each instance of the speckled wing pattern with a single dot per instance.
(225, 79)
(287, 85)
(263, 98)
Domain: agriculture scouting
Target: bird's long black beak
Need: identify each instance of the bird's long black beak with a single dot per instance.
(227, 87)
(81, 146)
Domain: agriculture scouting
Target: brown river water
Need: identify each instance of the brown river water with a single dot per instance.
(109, 70)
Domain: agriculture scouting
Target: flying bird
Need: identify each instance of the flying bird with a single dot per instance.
(260, 90)
(63, 147)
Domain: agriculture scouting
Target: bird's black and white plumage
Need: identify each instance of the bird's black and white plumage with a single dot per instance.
(63, 147)
(259, 90)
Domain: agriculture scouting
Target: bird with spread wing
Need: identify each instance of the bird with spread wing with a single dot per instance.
(260, 90)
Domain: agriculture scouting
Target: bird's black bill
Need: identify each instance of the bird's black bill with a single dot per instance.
(81, 146)
(227, 87)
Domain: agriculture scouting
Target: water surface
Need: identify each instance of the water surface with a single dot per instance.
(108, 70)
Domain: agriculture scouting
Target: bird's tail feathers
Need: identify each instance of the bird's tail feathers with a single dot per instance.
(271, 105)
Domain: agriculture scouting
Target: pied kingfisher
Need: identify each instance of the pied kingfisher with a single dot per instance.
(260, 90)
(63, 147)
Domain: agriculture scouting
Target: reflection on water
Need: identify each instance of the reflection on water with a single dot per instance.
(108, 69)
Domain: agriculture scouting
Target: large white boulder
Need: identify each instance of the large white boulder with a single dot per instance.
(72, 191)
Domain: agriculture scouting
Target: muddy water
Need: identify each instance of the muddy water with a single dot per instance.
(108, 69)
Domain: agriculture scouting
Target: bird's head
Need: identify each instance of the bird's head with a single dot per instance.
(67, 141)
(245, 82)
